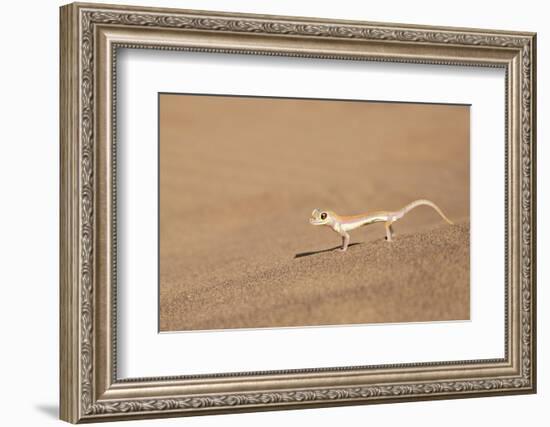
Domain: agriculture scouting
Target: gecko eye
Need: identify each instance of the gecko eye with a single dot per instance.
(324, 215)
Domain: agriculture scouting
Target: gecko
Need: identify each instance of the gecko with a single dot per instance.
(343, 224)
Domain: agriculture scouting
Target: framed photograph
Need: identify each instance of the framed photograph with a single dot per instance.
(266, 212)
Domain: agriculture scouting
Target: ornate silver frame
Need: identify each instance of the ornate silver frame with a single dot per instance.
(90, 36)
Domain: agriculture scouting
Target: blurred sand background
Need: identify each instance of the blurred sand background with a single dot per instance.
(239, 178)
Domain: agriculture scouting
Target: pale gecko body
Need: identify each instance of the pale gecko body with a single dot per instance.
(343, 224)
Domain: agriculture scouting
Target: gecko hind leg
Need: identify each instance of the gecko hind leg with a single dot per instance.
(389, 231)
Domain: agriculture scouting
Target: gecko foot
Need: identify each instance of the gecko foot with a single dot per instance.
(341, 250)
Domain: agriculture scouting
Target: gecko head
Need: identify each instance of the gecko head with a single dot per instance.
(320, 217)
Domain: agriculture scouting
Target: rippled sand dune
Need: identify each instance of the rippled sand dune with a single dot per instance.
(239, 178)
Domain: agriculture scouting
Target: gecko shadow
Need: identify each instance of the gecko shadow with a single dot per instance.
(303, 254)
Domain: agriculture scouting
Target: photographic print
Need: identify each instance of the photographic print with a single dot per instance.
(288, 212)
(346, 209)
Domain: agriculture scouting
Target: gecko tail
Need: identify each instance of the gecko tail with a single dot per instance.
(425, 202)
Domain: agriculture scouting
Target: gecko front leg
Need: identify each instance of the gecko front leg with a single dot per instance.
(345, 242)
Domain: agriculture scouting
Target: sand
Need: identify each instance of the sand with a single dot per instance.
(239, 178)
(419, 276)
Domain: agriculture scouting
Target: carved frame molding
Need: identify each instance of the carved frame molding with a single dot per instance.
(90, 37)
